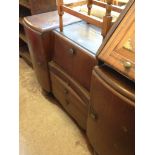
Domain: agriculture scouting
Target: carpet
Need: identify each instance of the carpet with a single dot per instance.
(44, 127)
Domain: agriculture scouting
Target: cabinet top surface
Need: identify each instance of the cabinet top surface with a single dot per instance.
(48, 21)
(84, 34)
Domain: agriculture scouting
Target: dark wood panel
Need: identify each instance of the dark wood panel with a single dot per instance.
(111, 119)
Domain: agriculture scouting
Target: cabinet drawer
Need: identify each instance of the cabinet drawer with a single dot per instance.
(122, 64)
(71, 102)
(59, 89)
(82, 92)
(77, 108)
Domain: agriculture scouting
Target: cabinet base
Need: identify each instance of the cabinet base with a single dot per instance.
(46, 93)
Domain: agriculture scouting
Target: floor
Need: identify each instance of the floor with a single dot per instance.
(45, 129)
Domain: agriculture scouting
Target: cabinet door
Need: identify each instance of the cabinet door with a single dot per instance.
(111, 120)
(119, 52)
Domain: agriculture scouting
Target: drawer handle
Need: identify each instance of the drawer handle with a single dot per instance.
(127, 64)
(71, 51)
(93, 116)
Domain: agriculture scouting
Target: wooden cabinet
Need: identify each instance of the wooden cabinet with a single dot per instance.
(111, 119)
(28, 8)
(119, 51)
(39, 32)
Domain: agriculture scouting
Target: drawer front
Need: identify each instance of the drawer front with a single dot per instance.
(77, 108)
(71, 102)
(63, 54)
(122, 64)
(83, 93)
(59, 89)
(110, 126)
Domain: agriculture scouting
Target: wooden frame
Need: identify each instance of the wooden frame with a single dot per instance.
(115, 53)
(105, 24)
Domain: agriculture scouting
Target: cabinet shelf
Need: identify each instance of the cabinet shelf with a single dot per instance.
(24, 53)
(28, 8)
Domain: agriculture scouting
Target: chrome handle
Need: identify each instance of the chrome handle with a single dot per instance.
(127, 64)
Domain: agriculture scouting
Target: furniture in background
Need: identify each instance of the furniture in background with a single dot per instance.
(27, 8)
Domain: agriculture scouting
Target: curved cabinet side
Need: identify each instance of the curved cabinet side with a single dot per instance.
(41, 53)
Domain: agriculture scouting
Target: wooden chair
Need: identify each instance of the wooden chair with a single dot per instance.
(105, 24)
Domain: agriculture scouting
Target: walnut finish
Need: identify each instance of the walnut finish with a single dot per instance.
(74, 60)
(111, 120)
(41, 42)
(69, 99)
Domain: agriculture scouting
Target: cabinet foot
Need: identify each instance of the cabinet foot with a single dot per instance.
(46, 93)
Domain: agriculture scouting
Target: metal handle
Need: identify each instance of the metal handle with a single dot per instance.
(93, 116)
(127, 64)
(71, 51)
